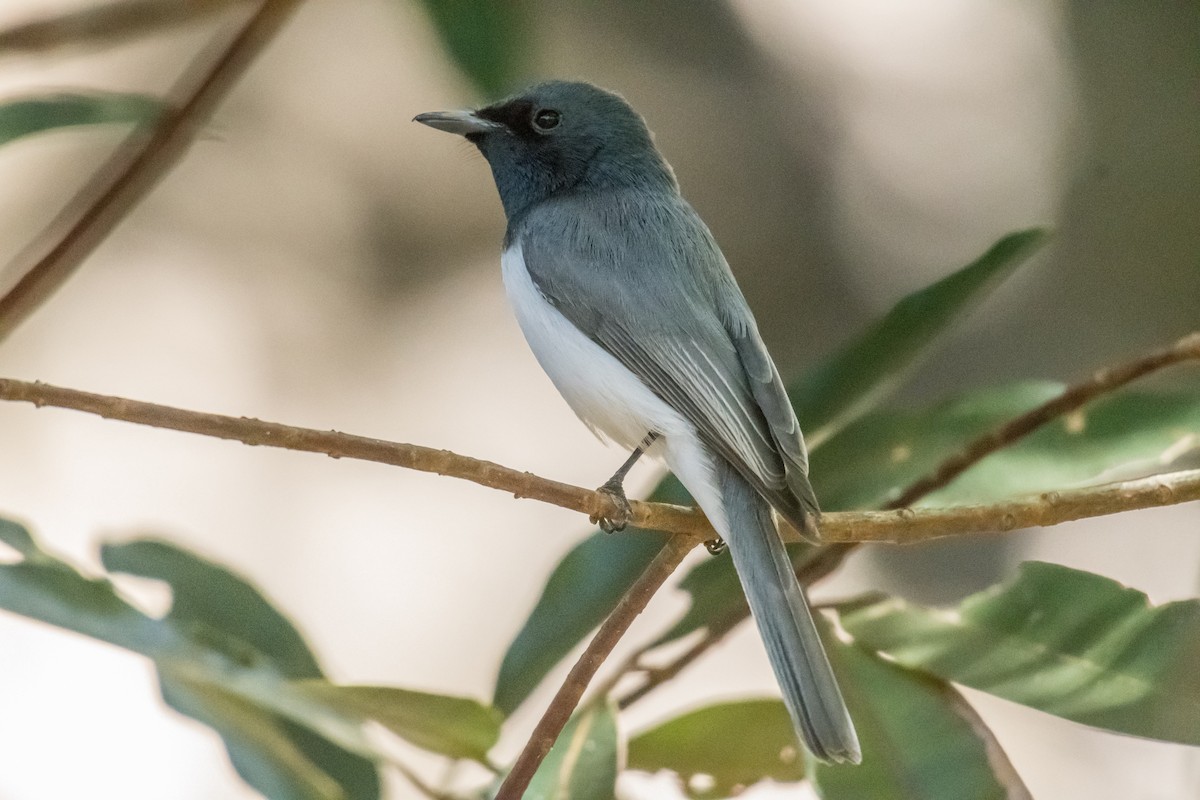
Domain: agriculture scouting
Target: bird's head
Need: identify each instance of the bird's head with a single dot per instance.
(559, 137)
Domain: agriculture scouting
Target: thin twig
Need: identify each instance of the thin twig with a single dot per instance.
(902, 526)
(1101, 382)
(567, 697)
(136, 168)
(342, 445)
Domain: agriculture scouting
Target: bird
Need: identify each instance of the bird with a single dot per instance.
(632, 311)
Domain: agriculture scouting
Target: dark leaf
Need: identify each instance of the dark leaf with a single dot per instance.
(881, 453)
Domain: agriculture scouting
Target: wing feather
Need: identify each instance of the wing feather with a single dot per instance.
(679, 323)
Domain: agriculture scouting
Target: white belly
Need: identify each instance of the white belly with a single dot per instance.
(610, 399)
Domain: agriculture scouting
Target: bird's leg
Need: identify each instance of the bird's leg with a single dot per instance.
(715, 546)
(614, 489)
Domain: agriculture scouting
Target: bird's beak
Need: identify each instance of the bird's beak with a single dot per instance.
(460, 122)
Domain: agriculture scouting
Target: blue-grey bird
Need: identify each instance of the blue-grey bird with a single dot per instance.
(631, 309)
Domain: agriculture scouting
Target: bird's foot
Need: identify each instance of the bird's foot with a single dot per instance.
(618, 512)
(715, 546)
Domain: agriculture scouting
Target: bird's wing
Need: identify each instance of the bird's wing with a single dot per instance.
(679, 323)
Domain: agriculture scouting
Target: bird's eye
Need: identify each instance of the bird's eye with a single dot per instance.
(546, 118)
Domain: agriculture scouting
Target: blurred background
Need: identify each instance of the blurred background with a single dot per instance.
(318, 260)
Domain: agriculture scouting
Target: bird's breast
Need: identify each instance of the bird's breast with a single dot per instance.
(602, 392)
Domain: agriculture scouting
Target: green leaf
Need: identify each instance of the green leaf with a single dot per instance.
(33, 115)
(487, 40)
(264, 751)
(216, 607)
(881, 453)
(453, 726)
(18, 538)
(44, 588)
(718, 749)
(1123, 435)
(1067, 642)
(220, 634)
(872, 365)
(583, 589)
(920, 741)
(583, 763)
(221, 613)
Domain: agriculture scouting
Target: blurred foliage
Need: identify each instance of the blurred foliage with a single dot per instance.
(488, 41)
(38, 114)
(228, 658)
(106, 24)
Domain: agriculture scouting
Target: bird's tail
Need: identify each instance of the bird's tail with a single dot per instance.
(785, 622)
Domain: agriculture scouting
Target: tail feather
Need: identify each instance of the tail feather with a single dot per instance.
(785, 623)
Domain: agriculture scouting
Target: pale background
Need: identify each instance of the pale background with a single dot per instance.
(319, 260)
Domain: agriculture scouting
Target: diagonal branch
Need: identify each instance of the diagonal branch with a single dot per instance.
(567, 697)
(1074, 397)
(135, 169)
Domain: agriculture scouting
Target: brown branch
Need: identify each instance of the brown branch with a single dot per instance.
(902, 526)
(342, 445)
(567, 697)
(135, 169)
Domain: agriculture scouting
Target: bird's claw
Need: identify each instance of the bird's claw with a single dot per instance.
(715, 546)
(618, 513)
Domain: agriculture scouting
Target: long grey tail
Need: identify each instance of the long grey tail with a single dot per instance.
(785, 623)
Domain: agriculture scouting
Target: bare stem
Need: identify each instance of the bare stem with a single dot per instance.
(567, 697)
(135, 169)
